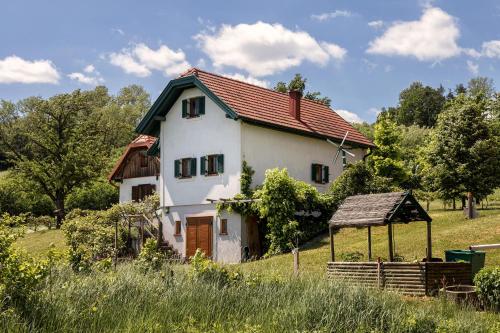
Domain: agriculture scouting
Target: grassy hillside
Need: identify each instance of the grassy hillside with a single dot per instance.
(450, 230)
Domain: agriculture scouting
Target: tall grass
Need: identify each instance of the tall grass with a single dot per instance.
(131, 301)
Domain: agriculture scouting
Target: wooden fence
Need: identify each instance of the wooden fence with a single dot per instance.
(408, 278)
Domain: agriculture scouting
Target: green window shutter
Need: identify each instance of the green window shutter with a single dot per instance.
(184, 108)
(313, 172)
(192, 163)
(201, 106)
(177, 168)
(220, 163)
(344, 159)
(203, 165)
(326, 174)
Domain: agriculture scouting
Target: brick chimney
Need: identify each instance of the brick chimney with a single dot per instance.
(294, 103)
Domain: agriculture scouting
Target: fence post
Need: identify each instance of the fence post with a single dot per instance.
(295, 253)
(379, 273)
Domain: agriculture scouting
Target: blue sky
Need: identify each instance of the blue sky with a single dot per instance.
(359, 53)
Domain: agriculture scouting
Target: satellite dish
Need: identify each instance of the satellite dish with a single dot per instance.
(340, 148)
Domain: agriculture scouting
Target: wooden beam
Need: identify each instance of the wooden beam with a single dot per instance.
(391, 252)
(429, 242)
(369, 243)
(332, 248)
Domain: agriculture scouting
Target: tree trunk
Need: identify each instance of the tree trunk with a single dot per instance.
(60, 213)
(428, 205)
(463, 202)
(454, 204)
(470, 201)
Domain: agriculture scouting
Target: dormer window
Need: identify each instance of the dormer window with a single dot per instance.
(193, 107)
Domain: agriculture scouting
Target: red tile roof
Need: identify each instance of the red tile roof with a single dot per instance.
(142, 141)
(270, 107)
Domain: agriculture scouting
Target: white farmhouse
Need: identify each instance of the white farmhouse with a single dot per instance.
(207, 125)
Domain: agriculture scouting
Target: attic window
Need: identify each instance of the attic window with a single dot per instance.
(144, 159)
(320, 173)
(193, 107)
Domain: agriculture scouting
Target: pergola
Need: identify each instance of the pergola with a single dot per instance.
(375, 210)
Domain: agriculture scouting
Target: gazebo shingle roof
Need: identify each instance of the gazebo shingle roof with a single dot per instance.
(377, 210)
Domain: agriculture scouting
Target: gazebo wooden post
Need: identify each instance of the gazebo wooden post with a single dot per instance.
(332, 248)
(369, 243)
(389, 230)
(429, 242)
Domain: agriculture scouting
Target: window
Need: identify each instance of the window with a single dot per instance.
(185, 168)
(212, 165)
(140, 192)
(320, 173)
(193, 107)
(344, 159)
(177, 228)
(223, 226)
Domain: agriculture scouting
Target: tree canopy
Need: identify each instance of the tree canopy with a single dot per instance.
(298, 83)
(63, 143)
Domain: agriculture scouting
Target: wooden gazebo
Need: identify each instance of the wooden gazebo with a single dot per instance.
(376, 210)
(387, 209)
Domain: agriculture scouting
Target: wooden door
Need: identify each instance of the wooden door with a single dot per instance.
(199, 235)
(253, 236)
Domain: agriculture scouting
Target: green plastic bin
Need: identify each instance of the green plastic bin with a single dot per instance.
(476, 258)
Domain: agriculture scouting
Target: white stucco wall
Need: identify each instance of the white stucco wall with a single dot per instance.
(264, 149)
(126, 186)
(225, 248)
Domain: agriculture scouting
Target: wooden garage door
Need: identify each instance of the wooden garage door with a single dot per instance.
(199, 235)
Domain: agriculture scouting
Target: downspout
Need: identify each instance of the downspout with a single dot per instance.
(368, 154)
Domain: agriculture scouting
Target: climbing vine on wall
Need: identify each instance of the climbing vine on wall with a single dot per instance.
(292, 210)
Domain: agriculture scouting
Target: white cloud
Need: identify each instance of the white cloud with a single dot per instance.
(264, 49)
(89, 69)
(491, 49)
(118, 31)
(432, 38)
(376, 24)
(349, 116)
(331, 15)
(82, 78)
(14, 69)
(473, 67)
(141, 60)
(374, 110)
(248, 79)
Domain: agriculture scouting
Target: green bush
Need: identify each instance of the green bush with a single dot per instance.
(204, 269)
(19, 274)
(18, 197)
(150, 258)
(487, 283)
(90, 235)
(96, 196)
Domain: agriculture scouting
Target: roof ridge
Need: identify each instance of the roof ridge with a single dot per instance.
(194, 69)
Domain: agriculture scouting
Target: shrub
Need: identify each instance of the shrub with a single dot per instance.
(150, 258)
(96, 196)
(90, 235)
(35, 222)
(19, 275)
(204, 269)
(487, 283)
